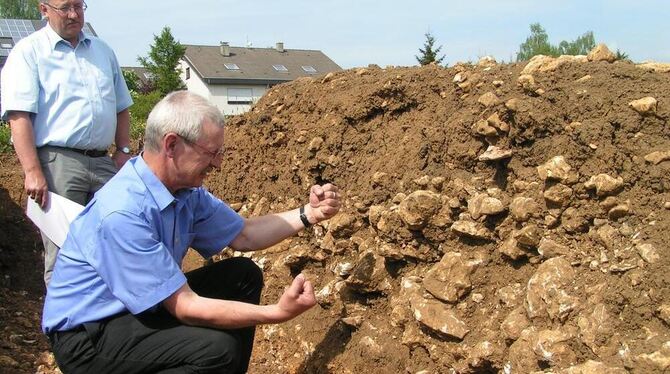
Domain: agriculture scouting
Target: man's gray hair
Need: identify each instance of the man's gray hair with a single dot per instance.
(182, 113)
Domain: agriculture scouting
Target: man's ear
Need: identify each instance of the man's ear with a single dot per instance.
(170, 142)
(43, 10)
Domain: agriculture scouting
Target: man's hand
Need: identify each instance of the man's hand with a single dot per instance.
(36, 187)
(296, 299)
(324, 202)
(120, 158)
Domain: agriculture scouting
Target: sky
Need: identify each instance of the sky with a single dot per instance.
(356, 33)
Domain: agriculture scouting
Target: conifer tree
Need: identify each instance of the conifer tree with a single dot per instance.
(429, 52)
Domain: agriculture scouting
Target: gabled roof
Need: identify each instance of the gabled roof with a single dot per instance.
(255, 64)
(142, 73)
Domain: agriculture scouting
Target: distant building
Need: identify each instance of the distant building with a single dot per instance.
(142, 73)
(13, 30)
(234, 78)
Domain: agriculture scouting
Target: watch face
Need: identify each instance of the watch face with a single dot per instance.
(125, 150)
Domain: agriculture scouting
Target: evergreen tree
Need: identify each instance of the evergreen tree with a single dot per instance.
(429, 52)
(20, 9)
(163, 62)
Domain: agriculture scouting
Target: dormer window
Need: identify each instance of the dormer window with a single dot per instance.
(6, 43)
(309, 69)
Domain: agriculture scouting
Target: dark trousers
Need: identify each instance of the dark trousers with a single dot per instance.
(156, 342)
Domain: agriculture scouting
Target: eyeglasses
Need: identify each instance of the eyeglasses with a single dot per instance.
(212, 155)
(65, 10)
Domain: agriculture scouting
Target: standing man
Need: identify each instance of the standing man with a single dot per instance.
(64, 96)
(119, 302)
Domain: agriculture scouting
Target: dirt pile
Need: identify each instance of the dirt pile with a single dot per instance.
(498, 217)
(508, 218)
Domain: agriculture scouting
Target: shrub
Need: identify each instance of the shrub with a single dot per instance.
(143, 103)
(5, 138)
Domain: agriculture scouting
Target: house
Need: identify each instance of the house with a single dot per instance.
(142, 73)
(234, 78)
(13, 30)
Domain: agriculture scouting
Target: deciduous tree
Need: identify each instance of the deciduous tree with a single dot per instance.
(20, 9)
(538, 44)
(163, 62)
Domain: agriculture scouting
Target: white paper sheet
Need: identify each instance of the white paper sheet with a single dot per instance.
(54, 220)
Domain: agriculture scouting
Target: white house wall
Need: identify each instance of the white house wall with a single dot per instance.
(218, 94)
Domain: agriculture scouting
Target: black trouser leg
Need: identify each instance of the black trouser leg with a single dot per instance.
(157, 342)
(244, 282)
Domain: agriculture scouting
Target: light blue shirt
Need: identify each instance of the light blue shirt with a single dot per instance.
(74, 93)
(124, 251)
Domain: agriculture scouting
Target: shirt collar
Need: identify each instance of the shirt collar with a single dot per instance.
(54, 38)
(156, 188)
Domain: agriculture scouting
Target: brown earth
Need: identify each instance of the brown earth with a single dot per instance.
(439, 261)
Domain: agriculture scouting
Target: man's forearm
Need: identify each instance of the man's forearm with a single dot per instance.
(263, 232)
(23, 139)
(122, 136)
(195, 310)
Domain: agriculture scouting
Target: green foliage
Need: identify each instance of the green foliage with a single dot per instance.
(21, 9)
(163, 62)
(429, 52)
(132, 80)
(580, 46)
(5, 138)
(623, 56)
(142, 106)
(538, 44)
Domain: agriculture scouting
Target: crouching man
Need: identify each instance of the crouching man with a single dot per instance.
(118, 301)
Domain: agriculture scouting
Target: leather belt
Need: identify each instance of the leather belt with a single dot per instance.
(85, 152)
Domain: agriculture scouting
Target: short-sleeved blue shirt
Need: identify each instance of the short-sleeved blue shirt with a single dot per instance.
(74, 92)
(124, 251)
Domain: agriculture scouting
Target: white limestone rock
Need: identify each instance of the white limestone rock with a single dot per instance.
(449, 279)
(556, 169)
(439, 317)
(548, 290)
(604, 184)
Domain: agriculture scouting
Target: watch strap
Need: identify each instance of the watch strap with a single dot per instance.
(303, 217)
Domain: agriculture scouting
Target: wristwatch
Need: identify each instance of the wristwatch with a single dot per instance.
(125, 150)
(303, 217)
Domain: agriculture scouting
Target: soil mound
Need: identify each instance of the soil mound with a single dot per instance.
(497, 218)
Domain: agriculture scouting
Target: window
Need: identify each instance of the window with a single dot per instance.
(231, 66)
(6, 43)
(188, 72)
(309, 69)
(240, 96)
(280, 67)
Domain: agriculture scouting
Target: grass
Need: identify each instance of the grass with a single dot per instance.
(5, 138)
